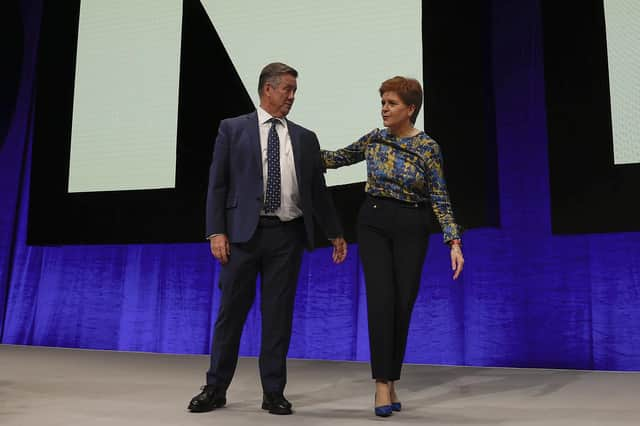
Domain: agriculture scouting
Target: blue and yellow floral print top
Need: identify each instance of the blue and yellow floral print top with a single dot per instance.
(407, 169)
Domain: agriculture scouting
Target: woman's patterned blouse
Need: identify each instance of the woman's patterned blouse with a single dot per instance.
(407, 169)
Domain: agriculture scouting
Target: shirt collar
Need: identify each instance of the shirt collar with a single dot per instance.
(264, 116)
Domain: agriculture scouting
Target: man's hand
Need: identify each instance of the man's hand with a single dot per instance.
(457, 261)
(220, 248)
(339, 250)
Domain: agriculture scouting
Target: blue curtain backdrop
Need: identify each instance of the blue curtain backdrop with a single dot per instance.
(527, 298)
(20, 23)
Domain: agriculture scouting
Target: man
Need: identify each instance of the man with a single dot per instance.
(266, 187)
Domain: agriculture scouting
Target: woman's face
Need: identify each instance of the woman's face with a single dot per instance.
(395, 113)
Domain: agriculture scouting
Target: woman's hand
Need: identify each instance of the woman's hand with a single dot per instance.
(457, 260)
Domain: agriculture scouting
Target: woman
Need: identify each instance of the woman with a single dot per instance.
(404, 176)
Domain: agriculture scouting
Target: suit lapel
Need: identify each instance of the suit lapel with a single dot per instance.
(254, 137)
(296, 146)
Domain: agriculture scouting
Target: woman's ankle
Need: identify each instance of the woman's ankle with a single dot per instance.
(392, 392)
(383, 394)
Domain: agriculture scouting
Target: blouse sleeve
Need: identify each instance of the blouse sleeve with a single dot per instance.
(439, 196)
(348, 155)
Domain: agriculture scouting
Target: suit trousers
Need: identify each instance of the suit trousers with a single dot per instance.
(393, 239)
(275, 253)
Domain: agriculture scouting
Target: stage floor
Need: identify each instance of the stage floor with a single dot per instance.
(69, 387)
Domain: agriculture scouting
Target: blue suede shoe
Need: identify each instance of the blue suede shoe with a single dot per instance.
(396, 406)
(383, 411)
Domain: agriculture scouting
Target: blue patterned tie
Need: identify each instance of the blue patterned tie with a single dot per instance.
(272, 196)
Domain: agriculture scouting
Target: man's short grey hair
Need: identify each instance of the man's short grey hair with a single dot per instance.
(272, 73)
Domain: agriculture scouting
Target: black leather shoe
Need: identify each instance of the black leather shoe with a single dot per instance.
(276, 403)
(209, 399)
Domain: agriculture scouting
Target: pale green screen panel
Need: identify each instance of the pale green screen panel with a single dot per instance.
(342, 49)
(125, 107)
(623, 50)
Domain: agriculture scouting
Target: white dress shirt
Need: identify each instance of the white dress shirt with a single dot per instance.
(289, 193)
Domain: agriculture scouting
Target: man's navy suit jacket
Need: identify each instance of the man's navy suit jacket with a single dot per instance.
(235, 196)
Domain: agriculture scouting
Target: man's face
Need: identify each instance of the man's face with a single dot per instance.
(279, 100)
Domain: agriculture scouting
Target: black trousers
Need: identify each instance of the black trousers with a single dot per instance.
(393, 239)
(275, 252)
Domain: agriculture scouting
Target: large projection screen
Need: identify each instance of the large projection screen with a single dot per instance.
(125, 107)
(622, 20)
(131, 94)
(593, 112)
(343, 51)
